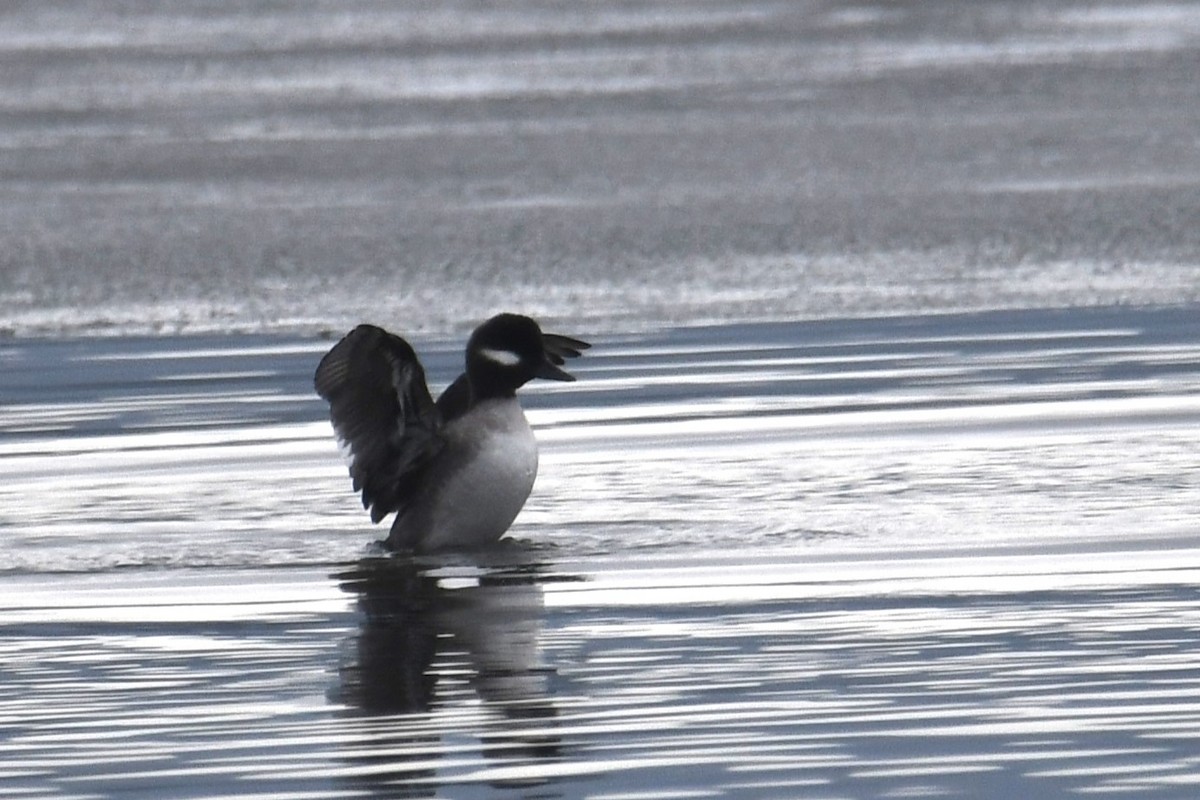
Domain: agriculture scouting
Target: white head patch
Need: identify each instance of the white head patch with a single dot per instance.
(505, 358)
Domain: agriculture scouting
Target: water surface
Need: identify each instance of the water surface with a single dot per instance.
(912, 556)
(182, 166)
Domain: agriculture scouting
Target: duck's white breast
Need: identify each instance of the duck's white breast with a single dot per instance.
(484, 492)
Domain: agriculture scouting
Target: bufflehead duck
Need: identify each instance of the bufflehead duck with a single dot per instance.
(458, 471)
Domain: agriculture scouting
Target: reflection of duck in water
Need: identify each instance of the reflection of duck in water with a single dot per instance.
(432, 639)
(411, 614)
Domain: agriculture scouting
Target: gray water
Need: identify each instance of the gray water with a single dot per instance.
(879, 481)
(180, 165)
(916, 556)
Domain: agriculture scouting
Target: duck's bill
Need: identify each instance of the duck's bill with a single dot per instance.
(559, 348)
(552, 372)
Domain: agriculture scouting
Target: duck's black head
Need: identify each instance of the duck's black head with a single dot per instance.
(509, 350)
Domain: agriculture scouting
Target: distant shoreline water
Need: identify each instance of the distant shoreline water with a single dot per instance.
(187, 321)
(266, 166)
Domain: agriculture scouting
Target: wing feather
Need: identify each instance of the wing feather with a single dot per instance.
(381, 410)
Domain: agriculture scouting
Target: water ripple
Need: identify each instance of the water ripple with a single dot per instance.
(895, 558)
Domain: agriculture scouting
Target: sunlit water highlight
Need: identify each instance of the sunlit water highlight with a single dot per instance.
(940, 556)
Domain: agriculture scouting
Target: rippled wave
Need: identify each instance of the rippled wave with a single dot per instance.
(898, 557)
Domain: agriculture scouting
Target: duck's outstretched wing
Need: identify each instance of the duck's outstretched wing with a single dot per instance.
(381, 410)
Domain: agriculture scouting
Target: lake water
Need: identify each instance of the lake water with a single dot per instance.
(183, 166)
(929, 542)
(923, 556)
